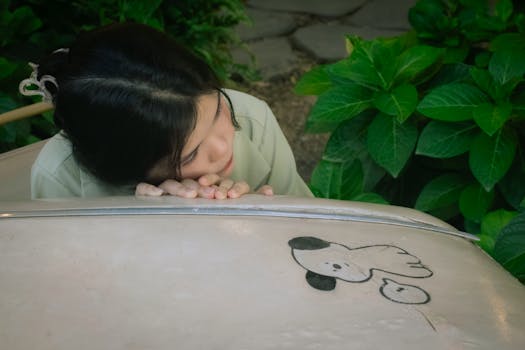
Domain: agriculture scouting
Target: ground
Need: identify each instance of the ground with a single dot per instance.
(291, 111)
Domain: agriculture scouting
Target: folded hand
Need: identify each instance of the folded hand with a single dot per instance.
(210, 186)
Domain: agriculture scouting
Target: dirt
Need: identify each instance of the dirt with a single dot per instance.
(291, 110)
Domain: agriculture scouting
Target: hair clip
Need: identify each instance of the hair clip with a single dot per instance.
(40, 84)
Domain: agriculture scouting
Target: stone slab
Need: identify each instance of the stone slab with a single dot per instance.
(326, 41)
(328, 8)
(265, 24)
(273, 57)
(389, 14)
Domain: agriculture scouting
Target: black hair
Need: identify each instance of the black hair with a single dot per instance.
(126, 99)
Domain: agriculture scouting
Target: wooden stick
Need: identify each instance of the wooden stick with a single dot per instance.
(25, 112)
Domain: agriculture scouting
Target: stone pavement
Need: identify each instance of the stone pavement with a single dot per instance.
(282, 30)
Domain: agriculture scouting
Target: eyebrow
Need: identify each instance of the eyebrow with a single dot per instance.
(215, 117)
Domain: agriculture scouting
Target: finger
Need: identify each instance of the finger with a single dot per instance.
(209, 179)
(190, 184)
(202, 191)
(266, 190)
(145, 189)
(226, 184)
(175, 188)
(238, 189)
(221, 192)
(207, 191)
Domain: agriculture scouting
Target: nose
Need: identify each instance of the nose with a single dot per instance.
(336, 266)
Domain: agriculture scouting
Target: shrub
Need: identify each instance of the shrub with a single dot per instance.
(433, 119)
(30, 29)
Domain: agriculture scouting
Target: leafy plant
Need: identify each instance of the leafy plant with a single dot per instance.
(433, 119)
(29, 29)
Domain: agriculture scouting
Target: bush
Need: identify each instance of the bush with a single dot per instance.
(29, 29)
(433, 119)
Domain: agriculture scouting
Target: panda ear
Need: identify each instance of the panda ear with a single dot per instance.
(308, 243)
(320, 282)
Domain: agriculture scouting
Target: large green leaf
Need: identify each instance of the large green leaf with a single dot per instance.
(491, 118)
(491, 156)
(370, 197)
(445, 140)
(508, 41)
(474, 202)
(452, 102)
(369, 64)
(348, 142)
(450, 73)
(415, 60)
(509, 249)
(390, 143)
(504, 9)
(507, 65)
(441, 192)
(491, 227)
(400, 102)
(314, 82)
(6, 68)
(486, 82)
(336, 105)
(511, 186)
(337, 180)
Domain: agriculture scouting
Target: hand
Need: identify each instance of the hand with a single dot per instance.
(209, 186)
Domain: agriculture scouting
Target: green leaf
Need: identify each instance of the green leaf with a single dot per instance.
(491, 227)
(455, 55)
(369, 64)
(452, 102)
(370, 197)
(508, 41)
(484, 80)
(441, 192)
(24, 20)
(400, 102)
(6, 68)
(491, 156)
(511, 186)
(474, 202)
(336, 105)
(445, 140)
(337, 180)
(390, 143)
(348, 142)
(504, 9)
(491, 118)
(507, 65)
(415, 60)
(313, 82)
(450, 73)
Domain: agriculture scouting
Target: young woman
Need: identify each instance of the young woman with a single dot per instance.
(140, 114)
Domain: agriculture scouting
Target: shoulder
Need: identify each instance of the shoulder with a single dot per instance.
(253, 114)
(56, 154)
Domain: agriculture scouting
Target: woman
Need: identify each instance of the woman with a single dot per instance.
(140, 114)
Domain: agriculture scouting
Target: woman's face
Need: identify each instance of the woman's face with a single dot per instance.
(209, 149)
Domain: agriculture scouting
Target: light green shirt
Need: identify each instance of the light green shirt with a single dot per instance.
(261, 156)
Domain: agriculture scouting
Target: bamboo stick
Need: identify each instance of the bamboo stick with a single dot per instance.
(25, 112)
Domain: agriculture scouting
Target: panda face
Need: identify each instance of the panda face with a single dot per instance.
(334, 261)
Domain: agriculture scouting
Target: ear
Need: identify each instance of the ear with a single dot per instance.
(308, 243)
(320, 282)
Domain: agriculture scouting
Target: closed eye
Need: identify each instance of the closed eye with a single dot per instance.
(191, 157)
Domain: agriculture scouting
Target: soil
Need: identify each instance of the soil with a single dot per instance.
(291, 110)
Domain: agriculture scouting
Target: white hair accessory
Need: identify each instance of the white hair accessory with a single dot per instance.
(40, 84)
